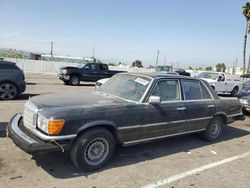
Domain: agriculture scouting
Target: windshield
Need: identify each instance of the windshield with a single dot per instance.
(164, 68)
(81, 65)
(127, 86)
(209, 75)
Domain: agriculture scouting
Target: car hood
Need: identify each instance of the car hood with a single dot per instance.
(208, 80)
(73, 100)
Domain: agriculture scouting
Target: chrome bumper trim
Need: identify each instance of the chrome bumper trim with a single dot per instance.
(19, 132)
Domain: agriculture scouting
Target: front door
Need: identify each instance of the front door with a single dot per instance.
(168, 117)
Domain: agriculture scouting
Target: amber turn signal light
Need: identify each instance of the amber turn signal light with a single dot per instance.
(55, 126)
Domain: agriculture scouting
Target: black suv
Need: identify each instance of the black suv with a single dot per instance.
(12, 80)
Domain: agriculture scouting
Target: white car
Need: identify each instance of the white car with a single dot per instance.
(222, 83)
(100, 82)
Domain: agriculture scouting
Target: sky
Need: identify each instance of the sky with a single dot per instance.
(187, 33)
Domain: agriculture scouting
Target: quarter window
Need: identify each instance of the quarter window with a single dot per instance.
(205, 92)
(191, 89)
(168, 90)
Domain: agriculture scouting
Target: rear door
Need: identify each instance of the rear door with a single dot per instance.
(168, 117)
(199, 104)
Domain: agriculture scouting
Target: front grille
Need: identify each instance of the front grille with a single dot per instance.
(30, 115)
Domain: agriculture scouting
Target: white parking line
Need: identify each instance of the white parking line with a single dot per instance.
(194, 171)
(213, 152)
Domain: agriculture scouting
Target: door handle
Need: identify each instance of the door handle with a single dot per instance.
(211, 106)
(181, 108)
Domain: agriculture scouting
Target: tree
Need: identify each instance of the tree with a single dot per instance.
(190, 68)
(209, 68)
(151, 67)
(218, 67)
(137, 63)
(223, 67)
(246, 13)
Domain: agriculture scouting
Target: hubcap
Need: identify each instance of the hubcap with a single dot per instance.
(7, 91)
(215, 129)
(74, 80)
(96, 151)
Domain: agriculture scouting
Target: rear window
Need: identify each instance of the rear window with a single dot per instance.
(8, 66)
(103, 67)
(191, 90)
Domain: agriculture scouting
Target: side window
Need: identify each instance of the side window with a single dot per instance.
(94, 67)
(104, 67)
(205, 92)
(168, 90)
(191, 89)
(87, 67)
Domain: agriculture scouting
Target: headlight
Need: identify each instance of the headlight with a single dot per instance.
(50, 126)
(243, 101)
(64, 71)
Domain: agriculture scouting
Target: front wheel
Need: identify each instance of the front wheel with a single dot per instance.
(213, 130)
(93, 149)
(74, 80)
(235, 92)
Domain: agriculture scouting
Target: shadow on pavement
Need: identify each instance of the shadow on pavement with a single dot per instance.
(3, 126)
(25, 96)
(58, 164)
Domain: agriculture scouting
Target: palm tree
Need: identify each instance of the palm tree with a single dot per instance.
(246, 13)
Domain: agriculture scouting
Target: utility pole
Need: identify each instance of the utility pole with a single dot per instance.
(165, 57)
(233, 71)
(51, 48)
(157, 57)
(93, 52)
(248, 66)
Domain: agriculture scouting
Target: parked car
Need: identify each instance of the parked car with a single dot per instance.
(222, 83)
(245, 101)
(90, 72)
(129, 109)
(12, 80)
(245, 91)
(182, 72)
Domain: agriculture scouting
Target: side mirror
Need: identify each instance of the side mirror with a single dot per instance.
(220, 79)
(154, 100)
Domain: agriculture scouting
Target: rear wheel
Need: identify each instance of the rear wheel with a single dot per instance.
(93, 149)
(213, 130)
(235, 91)
(8, 91)
(74, 80)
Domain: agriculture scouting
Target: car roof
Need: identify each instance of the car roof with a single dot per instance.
(6, 62)
(159, 75)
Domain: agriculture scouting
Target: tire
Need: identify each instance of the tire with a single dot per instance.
(66, 82)
(245, 112)
(213, 130)
(84, 153)
(235, 91)
(74, 80)
(8, 91)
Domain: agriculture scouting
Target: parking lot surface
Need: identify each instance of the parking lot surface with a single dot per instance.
(184, 161)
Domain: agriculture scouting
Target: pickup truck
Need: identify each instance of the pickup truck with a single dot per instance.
(90, 72)
(128, 109)
(222, 83)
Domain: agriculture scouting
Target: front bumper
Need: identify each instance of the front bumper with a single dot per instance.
(30, 143)
(64, 77)
(246, 107)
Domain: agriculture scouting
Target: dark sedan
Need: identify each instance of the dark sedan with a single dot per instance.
(128, 109)
(12, 80)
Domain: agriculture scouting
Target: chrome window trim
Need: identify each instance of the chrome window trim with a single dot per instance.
(209, 92)
(159, 137)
